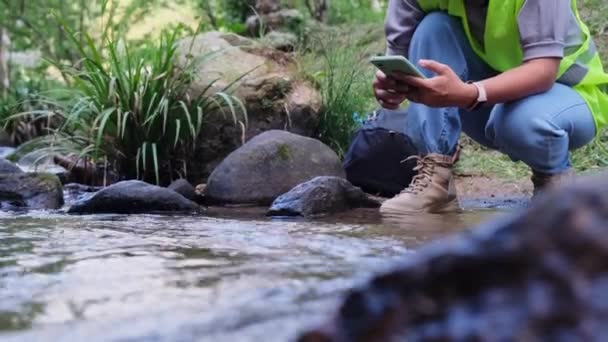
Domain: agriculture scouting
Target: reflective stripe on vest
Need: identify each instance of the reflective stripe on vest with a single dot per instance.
(577, 72)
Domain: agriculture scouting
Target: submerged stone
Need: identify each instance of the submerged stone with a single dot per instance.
(184, 188)
(75, 192)
(30, 191)
(537, 276)
(321, 195)
(134, 197)
(268, 166)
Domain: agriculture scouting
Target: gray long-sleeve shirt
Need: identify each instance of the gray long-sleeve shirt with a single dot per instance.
(547, 28)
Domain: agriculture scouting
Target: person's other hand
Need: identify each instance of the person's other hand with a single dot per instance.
(389, 92)
(446, 89)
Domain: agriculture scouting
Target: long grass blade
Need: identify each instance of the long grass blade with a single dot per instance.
(188, 118)
(144, 148)
(156, 168)
(137, 165)
(178, 127)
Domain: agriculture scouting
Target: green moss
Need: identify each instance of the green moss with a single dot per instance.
(284, 152)
(48, 180)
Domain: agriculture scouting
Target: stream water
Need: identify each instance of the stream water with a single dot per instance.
(185, 278)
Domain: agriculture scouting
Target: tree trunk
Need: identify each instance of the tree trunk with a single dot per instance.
(5, 44)
(318, 9)
(267, 6)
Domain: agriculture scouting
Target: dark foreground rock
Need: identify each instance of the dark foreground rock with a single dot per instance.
(8, 167)
(321, 195)
(134, 197)
(540, 276)
(268, 166)
(30, 191)
(184, 188)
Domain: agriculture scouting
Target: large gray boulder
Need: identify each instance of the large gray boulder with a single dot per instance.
(268, 84)
(8, 167)
(30, 191)
(321, 195)
(134, 197)
(536, 276)
(270, 165)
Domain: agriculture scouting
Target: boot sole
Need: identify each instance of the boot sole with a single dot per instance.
(444, 208)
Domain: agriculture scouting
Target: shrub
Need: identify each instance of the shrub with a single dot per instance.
(343, 75)
(132, 110)
(29, 95)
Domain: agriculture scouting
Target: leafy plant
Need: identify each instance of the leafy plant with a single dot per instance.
(28, 94)
(132, 109)
(344, 79)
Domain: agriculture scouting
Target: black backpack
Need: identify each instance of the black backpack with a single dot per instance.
(375, 158)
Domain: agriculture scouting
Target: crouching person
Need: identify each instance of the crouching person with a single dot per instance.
(519, 76)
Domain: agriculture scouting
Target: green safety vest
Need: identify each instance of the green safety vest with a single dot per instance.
(581, 68)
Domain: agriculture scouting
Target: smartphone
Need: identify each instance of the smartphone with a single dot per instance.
(389, 64)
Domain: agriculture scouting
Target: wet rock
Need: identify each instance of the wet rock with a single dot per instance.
(184, 188)
(537, 276)
(273, 93)
(270, 165)
(134, 197)
(8, 167)
(321, 195)
(30, 191)
(74, 192)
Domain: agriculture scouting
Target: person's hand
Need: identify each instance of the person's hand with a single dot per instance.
(389, 93)
(444, 90)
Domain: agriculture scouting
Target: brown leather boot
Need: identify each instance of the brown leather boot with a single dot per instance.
(432, 190)
(543, 181)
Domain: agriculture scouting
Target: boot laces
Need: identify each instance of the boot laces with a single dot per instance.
(425, 168)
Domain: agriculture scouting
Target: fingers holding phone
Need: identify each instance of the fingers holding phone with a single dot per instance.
(389, 92)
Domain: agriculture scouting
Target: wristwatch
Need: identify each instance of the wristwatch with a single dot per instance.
(482, 96)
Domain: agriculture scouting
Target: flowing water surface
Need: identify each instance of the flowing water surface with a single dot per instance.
(192, 278)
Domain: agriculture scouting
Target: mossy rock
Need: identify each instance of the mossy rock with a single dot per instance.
(270, 165)
(30, 191)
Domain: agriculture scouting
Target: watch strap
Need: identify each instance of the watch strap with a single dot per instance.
(482, 96)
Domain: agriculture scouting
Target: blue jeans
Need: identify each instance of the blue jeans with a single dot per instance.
(539, 130)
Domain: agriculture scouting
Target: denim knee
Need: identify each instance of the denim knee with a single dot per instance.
(433, 28)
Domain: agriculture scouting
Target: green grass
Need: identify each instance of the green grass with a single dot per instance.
(478, 160)
(29, 93)
(338, 64)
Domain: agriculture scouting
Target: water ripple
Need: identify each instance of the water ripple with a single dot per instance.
(147, 277)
